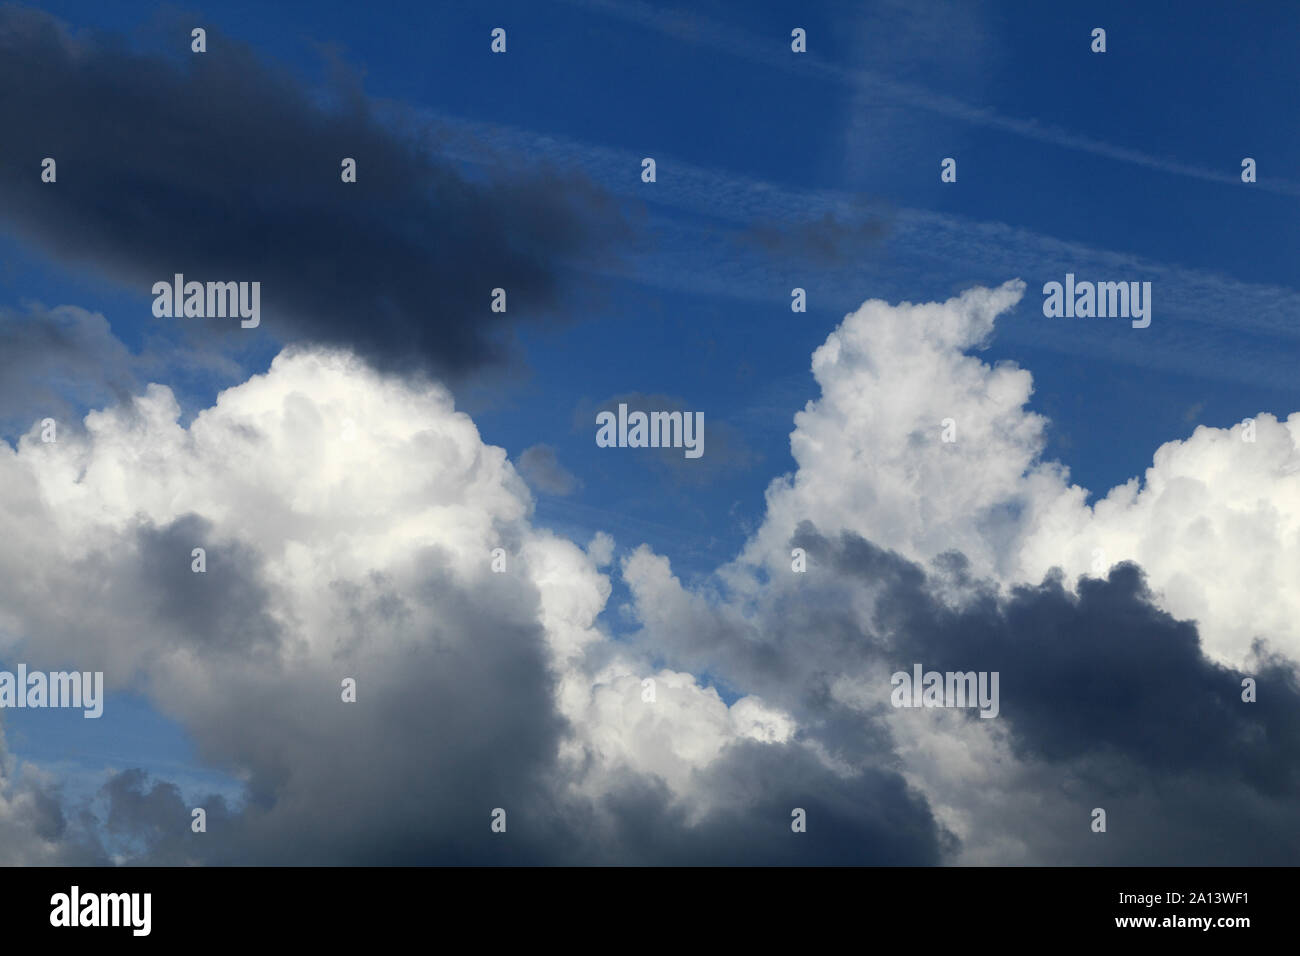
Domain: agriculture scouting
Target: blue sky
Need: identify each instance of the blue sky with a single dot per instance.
(1122, 165)
(587, 75)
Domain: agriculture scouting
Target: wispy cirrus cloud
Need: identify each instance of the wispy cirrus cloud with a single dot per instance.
(773, 52)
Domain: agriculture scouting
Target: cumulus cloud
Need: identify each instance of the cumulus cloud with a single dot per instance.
(976, 554)
(1105, 701)
(36, 828)
(1214, 523)
(53, 358)
(348, 520)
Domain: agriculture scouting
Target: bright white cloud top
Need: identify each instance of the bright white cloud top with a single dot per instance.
(349, 521)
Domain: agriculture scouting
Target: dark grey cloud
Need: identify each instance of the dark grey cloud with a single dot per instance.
(833, 241)
(1109, 702)
(1105, 701)
(148, 582)
(451, 723)
(457, 721)
(871, 818)
(542, 469)
(54, 362)
(30, 804)
(222, 167)
(1103, 670)
(154, 814)
(222, 609)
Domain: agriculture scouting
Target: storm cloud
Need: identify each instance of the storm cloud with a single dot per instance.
(221, 167)
(1105, 699)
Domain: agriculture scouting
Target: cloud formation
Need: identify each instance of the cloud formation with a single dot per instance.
(540, 466)
(349, 519)
(51, 359)
(222, 168)
(972, 554)
(1214, 523)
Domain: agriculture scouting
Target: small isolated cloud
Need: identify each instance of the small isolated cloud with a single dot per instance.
(542, 470)
(601, 549)
(832, 241)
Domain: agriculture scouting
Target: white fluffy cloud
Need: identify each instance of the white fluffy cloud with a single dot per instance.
(1215, 521)
(327, 496)
(349, 520)
(1214, 524)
